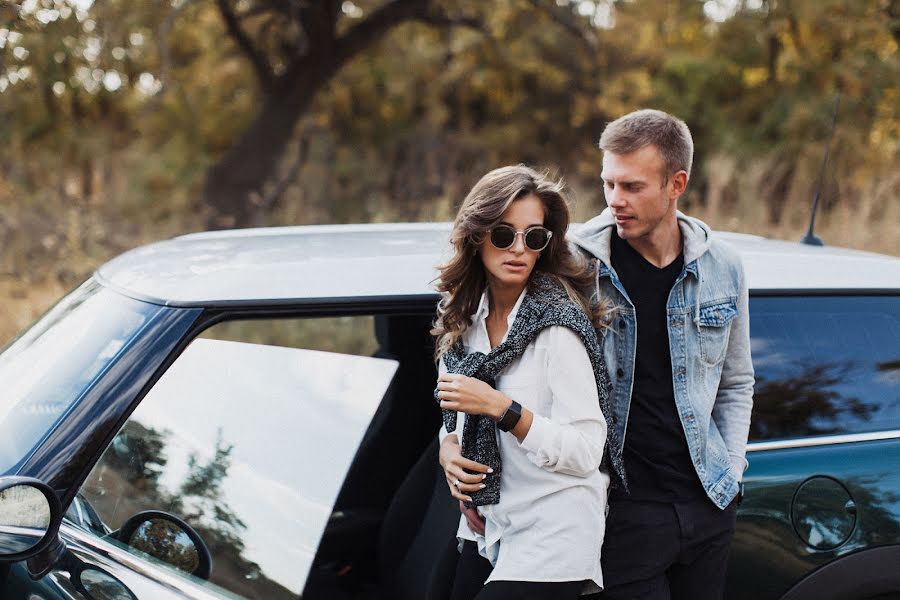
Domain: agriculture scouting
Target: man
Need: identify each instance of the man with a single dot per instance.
(678, 351)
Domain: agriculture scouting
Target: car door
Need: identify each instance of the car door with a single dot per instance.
(824, 442)
(248, 444)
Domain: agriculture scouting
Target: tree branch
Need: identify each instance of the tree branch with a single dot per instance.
(565, 18)
(364, 34)
(257, 59)
(443, 20)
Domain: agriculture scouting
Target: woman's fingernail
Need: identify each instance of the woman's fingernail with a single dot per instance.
(482, 486)
(483, 476)
(490, 470)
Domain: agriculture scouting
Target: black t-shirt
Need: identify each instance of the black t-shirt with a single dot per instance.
(657, 461)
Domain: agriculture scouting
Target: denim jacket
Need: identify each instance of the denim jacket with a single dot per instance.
(709, 339)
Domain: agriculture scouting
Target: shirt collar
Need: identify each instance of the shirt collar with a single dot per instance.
(483, 310)
(483, 307)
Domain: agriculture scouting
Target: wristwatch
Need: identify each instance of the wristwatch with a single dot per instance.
(510, 417)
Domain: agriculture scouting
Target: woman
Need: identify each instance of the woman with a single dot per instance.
(531, 443)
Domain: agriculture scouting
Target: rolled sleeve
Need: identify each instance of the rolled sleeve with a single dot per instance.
(572, 440)
(537, 436)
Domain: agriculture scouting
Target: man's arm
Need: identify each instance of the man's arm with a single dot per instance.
(734, 399)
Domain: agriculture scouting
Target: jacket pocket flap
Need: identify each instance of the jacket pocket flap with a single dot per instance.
(718, 313)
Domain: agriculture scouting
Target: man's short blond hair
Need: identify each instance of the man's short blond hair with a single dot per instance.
(641, 128)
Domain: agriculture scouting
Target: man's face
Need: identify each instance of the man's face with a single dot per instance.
(637, 192)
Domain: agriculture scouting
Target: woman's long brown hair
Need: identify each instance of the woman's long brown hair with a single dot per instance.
(462, 279)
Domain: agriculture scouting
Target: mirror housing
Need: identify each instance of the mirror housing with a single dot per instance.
(92, 581)
(30, 515)
(96, 584)
(167, 538)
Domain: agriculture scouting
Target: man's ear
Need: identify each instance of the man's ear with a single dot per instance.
(677, 184)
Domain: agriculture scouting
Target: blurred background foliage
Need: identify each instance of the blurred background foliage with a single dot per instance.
(127, 121)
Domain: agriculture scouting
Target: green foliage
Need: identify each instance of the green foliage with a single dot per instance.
(111, 114)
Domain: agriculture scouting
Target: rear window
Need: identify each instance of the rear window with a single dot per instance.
(825, 365)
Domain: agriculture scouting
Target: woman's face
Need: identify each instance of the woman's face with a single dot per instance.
(511, 267)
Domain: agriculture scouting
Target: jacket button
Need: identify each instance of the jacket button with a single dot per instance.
(620, 372)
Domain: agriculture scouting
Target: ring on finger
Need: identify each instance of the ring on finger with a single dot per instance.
(456, 483)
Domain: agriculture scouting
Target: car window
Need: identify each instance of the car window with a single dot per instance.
(348, 334)
(50, 366)
(825, 365)
(249, 443)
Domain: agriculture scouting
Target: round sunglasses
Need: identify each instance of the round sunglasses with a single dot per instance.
(536, 238)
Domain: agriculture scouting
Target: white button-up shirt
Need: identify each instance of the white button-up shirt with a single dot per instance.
(550, 521)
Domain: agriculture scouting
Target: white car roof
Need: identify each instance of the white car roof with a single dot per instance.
(278, 265)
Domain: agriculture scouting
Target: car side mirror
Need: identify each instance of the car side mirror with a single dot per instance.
(96, 584)
(167, 538)
(91, 581)
(30, 514)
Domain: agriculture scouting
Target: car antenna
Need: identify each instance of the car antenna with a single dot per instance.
(811, 238)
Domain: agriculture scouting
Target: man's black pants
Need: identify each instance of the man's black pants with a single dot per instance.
(659, 550)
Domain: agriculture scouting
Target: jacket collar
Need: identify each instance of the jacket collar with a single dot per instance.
(595, 237)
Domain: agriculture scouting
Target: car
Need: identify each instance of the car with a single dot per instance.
(249, 414)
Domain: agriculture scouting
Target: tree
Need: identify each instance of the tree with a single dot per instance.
(201, 499)
(295, 48)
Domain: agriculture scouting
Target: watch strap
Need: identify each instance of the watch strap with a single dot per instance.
(510, 417)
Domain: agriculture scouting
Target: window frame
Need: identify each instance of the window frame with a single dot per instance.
(206, 319)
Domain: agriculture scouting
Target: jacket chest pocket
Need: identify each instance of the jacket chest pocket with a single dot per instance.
(714, 322)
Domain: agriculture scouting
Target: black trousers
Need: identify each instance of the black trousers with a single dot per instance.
(472, 569)
(663, 551)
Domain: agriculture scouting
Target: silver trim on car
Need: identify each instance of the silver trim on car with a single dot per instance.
(824, 440)
(161, 574)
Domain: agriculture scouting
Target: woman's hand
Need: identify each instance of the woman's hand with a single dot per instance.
(471, 396)
(459, 481)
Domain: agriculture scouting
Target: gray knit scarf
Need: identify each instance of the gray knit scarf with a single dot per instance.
(546, 303)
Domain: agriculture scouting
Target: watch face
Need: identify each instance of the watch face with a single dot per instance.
(510, 417)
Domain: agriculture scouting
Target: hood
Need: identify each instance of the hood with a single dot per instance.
(595, 235)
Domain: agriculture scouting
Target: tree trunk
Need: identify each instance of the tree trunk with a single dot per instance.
(233, 182)
(232, 191)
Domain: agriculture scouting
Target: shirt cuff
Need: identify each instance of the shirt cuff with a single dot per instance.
(738, 466)
(443, 433)
(537, 434)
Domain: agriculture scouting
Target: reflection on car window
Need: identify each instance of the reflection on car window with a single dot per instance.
(347, 335)
(249, 444)
(825, 365)
(47, 369)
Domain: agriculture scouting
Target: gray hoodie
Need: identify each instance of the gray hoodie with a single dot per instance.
(709, 339)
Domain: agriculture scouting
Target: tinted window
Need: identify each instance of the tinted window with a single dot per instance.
(825, 365)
